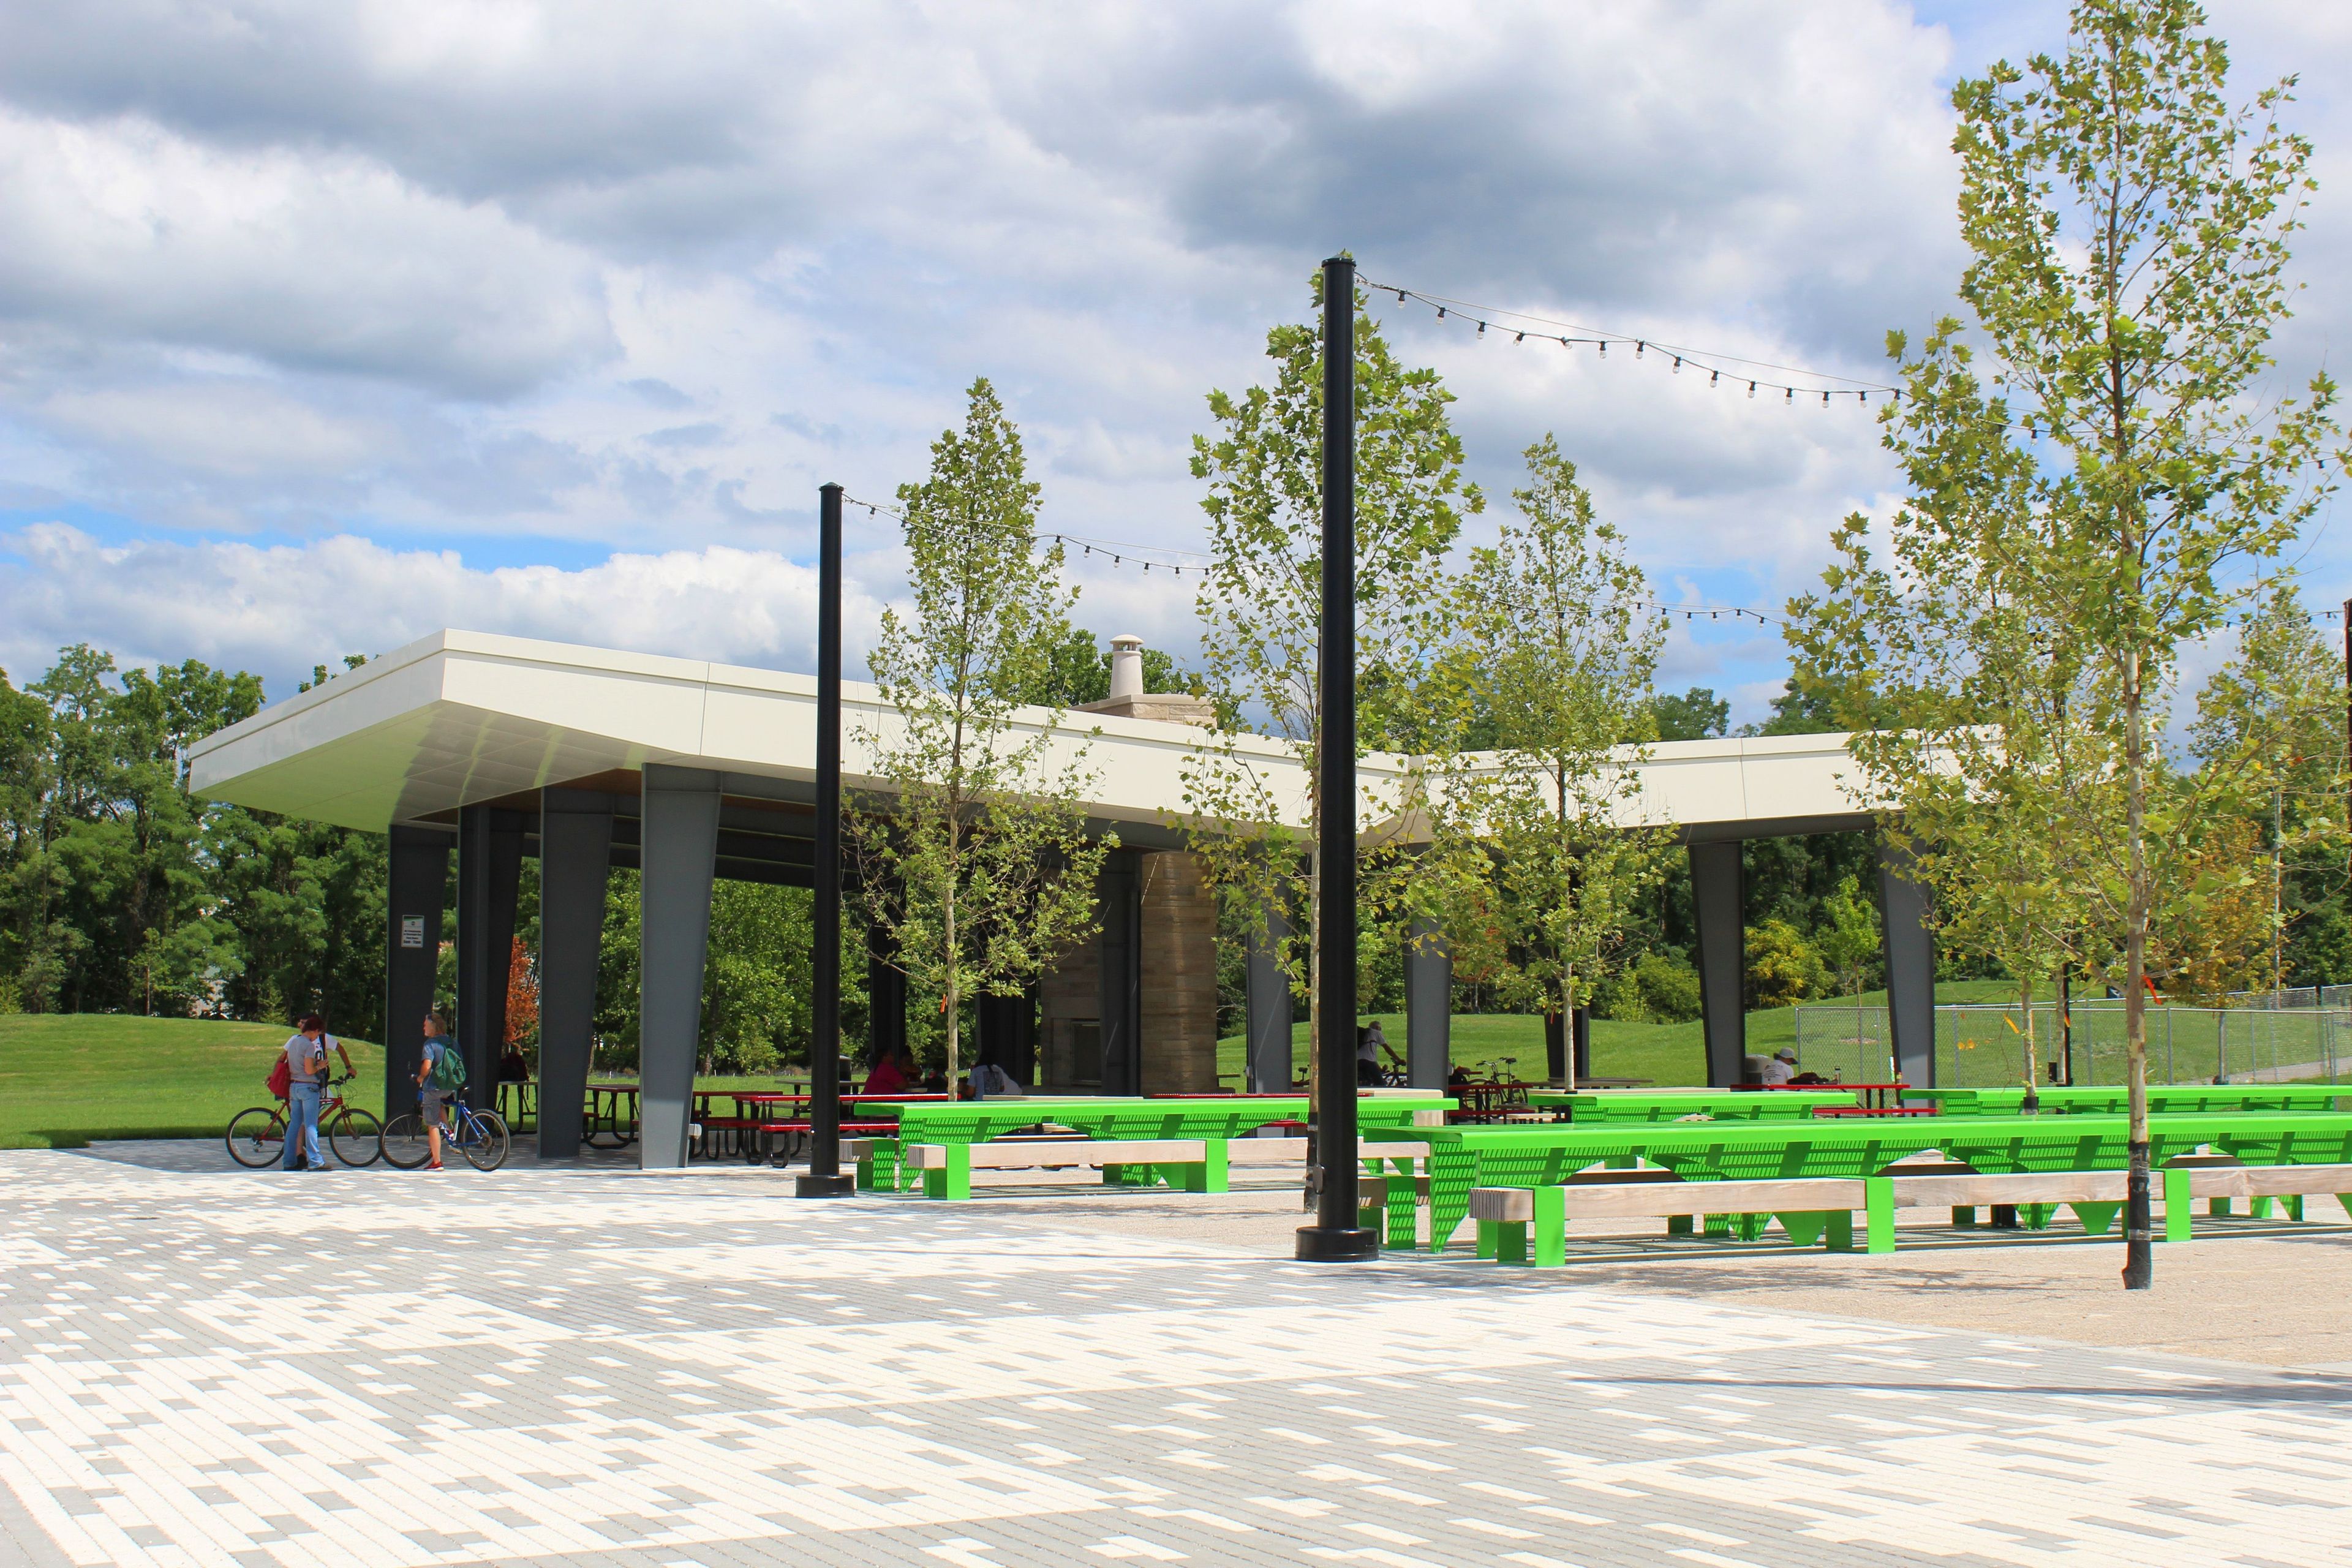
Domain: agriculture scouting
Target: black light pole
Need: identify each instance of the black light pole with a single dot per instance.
(1335, 1237)
(825, 1178)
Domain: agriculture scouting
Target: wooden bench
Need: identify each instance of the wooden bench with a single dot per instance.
(947, 1168)
(1807, 1208)
(1813, 1209)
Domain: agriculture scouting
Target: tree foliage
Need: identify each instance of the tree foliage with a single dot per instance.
(2096, 480)
(1536, 839)
(976, 830)
(1260, 608)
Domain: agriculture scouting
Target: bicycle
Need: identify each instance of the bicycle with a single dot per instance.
(256, 1136)
(480, 1135)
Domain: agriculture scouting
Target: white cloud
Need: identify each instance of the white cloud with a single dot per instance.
(640, 277)
(279, 609)
(307, 258)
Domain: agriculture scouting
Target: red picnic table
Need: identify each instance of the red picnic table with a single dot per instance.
(1877, 1096)
(762, 1113)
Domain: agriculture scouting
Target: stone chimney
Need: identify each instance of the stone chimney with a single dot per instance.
(1126, 668)
(1127, 699)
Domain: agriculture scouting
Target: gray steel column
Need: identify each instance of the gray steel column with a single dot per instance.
(575, 855)
(1718, 900)
(1268, 1033)
(1428, 1006)
(490, 870)
(679, 843)
(417, 874)
(886, 998)
(1910, 950)
(1119, 898)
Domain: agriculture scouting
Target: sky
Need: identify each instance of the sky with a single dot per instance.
(323, 326)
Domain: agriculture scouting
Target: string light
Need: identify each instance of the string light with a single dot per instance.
(1704, 359)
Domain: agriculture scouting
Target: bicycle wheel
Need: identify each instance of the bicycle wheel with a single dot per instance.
(356, 1137)
(257, 1137)
(485, 1147)
(406, 1147)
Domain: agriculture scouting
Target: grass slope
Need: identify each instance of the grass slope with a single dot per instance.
(1663, 1053)
(67, 1078)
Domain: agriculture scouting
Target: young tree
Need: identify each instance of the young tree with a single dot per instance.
(2101, 491)
(977, 824)
(1261, 604)
(1537, 833)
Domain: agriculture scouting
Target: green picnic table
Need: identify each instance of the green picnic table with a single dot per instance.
(2107, 1099)
(1458, 1159)
(1605, 1105)
(1214, 1118)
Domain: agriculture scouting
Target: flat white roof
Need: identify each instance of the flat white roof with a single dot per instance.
(460, 717)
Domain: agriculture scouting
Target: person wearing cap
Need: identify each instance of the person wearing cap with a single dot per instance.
(1781, 1067)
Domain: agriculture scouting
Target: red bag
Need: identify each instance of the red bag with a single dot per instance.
(281, 1078)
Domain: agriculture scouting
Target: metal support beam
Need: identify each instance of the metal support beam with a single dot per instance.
(825, 1178)
(680, 840)
(885, 999)
(575, 852)
(490, 869)
(1118, 895)
(1337, 1236)
(417, 874)
(1428, 1006)
(1718, 900)
(1910, 950)
(1267, 1060)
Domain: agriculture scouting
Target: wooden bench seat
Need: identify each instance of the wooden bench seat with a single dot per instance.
(1807, 1208)
(1199, 1163)
(1515, 1222)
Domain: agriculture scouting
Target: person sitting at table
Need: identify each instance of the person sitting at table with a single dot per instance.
(1780, 1067)
(887, 1076)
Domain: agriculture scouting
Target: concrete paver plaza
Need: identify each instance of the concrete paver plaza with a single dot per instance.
(586, 1365)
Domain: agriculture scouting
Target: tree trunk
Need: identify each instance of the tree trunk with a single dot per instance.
(2031, 1104)
(1567, 1021)
(2139, 1261)
(954, 1003)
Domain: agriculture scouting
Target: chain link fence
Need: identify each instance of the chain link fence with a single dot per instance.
(2268, 1039)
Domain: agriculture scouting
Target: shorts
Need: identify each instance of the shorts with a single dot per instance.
(431, 1105)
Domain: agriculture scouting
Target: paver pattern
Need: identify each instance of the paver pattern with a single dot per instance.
(585, 1365)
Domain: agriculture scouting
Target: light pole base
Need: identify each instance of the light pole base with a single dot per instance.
(1338, 1244)
(839, 1185)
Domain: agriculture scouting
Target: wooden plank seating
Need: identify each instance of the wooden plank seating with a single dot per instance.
(2163, 1100)
(947, 1168)
(1522, 1224)
(1108, 1117)
(1808, 1210)
(1610, 1105)
(1458, 1159)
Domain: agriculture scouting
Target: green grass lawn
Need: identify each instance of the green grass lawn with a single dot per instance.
(1663, 1053)
(67, 1078)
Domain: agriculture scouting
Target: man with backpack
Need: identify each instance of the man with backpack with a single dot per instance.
(440, 1073)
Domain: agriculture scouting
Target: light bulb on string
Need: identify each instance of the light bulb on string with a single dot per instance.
(1482, 329)
(1788, 394)
(1752, 389)
(1825, 400)
(1712, 376)
(1678, 364)
(1638, 346)
(1604, 348)
(1441, 312)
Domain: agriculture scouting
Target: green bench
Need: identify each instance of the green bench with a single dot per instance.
(1606, 1105)
(2112, 1100)
(1458, 1160)
(1524, 1225)
(1211, 1119)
